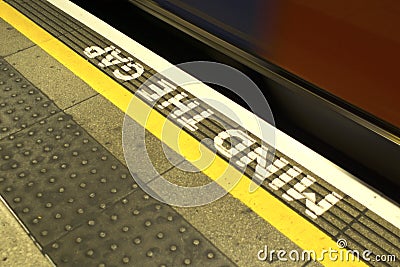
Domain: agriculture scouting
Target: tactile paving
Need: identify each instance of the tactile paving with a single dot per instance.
(21, 105)
(136, 229)
(82, 206)
(54, 175)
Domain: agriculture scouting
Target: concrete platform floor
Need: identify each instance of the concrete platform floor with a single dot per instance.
(227, 223)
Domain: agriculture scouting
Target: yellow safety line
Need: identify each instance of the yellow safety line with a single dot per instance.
(288, 222)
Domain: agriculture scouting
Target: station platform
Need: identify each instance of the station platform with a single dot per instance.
(74, 195)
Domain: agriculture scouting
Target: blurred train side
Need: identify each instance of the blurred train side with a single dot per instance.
(349, 49)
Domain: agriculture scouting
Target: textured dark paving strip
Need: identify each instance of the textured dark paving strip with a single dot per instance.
(53, 22)
(136, 230)
(80, 203)
(340, 221)
(61, 16)
(57, 175)
(21, 105)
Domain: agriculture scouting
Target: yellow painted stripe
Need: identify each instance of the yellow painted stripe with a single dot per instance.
(294, 226)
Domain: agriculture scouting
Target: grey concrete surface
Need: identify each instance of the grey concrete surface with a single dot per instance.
(16, 248)
(11, 40)
(231, 225)
(53, 79)
(105, 123)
